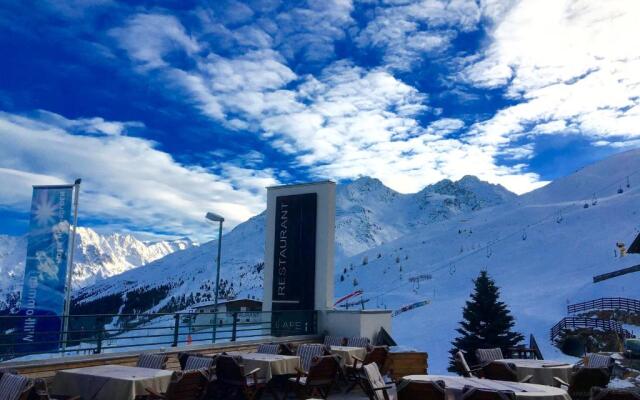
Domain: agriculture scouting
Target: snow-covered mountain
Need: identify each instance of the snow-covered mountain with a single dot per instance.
(368, 214)
(96, 257)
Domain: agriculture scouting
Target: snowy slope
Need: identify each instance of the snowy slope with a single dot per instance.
(368, 214)
(96, 257)
(543, 250)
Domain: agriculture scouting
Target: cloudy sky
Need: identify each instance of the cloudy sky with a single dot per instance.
(169, 109)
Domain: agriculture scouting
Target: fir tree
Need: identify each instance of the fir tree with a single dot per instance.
(487, 322)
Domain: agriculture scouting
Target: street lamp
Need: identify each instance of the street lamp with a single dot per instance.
(216, 218)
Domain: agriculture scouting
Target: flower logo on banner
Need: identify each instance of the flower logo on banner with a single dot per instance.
(46, 210)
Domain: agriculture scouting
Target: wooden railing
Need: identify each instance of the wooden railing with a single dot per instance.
(606, 303)
(607, 325)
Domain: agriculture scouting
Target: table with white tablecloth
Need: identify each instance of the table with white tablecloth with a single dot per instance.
(523, 391)
(347, 353)
(269, 364)
(543, 371)
(109, 382)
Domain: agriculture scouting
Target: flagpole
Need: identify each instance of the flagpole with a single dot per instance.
(72, 247)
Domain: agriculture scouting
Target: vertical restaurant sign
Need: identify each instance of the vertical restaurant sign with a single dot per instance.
(294, 263)
(45, 273)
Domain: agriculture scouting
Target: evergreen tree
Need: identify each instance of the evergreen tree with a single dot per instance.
(487, 322)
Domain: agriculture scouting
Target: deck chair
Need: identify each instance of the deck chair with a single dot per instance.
(595, 360)
(153, 361)
(233, 380)
(355, 372)
(15, 387)
(307, 352)
(598, 393)
(318, 381)
(334, 340)
(463, 367)
(42, 392)
(472, 393)
(188, 385)
(199, 362)
(583, 380)
(358, 342)
(502, 371)
(375, 386)
(485, 356)
(269, 348)
(411, 390)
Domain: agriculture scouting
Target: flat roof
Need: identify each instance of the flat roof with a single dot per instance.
(301, 184)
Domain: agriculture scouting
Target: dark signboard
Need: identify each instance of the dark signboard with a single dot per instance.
(294, 259)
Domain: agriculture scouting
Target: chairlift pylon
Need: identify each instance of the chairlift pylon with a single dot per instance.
(489, 252)
(524, 234)
(628, 183)
(452, 269)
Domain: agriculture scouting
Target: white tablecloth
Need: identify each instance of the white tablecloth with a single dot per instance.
(346, 353)
(269, 364)
(109, 382)
(523, 391)
(543, 371)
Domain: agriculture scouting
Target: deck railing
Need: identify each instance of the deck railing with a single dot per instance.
(34, 337)
(606, 303)
(579, 322)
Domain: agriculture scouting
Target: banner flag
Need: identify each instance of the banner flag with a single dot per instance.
(45, 273)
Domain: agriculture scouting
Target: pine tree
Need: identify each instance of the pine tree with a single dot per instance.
(487, 322)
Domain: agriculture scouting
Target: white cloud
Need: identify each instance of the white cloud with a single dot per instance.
(126, 180)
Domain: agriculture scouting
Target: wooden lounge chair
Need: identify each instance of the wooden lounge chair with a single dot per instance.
(42, 392)
(583, 380)
(472, 393)
(355, 373)
(411, 390)
(307, 352)
(318, 381)
(335, 341)
(502, 371)
(153, 361)
(188, 385)
(376, 387)
(463, 367)
(15, 387)
(358, 342)
(234, 381)
(485, 356)
(598, 393)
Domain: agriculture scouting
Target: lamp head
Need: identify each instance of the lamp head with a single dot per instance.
(214, 217)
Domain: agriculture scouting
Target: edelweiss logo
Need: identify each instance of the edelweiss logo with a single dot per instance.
(45, 210)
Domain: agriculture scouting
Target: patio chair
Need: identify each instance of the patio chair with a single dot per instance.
(502, 371)
(595, 360)
(583, 380)
(473, 393)
(358, 342)
(376, 387)
(153, 361)
(598, 393)
(307, 352)
(334, 341)
(188, 385)
(15, 387)
(485, 356)
(199, 362)
(184, 356)
(355, 372)
(318, 381)
(411, 390)
(463, 367)
(42, 392)
(233, 381)
(269, 348)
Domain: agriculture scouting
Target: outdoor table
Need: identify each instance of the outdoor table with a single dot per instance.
(543, 371)
(109, 382)
(347, 353)
(269, 364)
(523, 391)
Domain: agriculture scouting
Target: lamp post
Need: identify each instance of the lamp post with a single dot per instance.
(216, 218)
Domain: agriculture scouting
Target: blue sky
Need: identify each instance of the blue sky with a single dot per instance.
(170, 109)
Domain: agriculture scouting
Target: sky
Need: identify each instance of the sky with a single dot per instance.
(170, 109)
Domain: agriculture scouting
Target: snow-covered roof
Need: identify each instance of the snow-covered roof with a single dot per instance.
(222, 302)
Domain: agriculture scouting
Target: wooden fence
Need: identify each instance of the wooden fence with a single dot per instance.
(606, 303)
(606, 325)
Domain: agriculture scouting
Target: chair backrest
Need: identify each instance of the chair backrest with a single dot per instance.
(595, 360)
(598, 393)
(269, 348)
(584, 379)
(184, 356)
(500, 371)
(462, 365)
(199, 362)
(230, 371)
(323, 371)
(187, 385)
(358, 342)
(378, 355)
(14, 387)
(411, 390)
(375, 381)
(334, 340)
(487, 355)
(154, 361)
(472, 393)
(307, 352)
